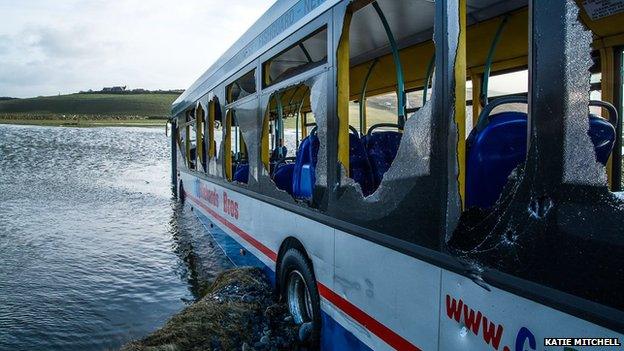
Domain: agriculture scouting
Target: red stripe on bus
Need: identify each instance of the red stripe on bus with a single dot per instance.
(255, 243)
(391, 338)
(384, 333)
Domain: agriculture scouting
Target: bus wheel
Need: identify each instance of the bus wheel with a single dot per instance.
(298, 287)
(181, 193)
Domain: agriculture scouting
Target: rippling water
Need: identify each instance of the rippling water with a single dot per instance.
(94, 251)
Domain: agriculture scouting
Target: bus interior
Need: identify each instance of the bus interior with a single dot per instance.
(397, 97)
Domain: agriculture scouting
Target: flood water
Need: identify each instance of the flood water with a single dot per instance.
(94, 251)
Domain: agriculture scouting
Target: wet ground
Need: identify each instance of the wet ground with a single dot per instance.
(94, 250)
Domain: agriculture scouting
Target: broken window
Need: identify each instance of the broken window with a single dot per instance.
(214, 138)
(308, 53)
(236, 154)
(289, 145)
(242, 87)
(200, 125)
(378, 100)
(498, 143)
(385, 143)
(553, 218)
(189, 140)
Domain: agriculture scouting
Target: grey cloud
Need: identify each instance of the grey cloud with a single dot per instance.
(70, 45)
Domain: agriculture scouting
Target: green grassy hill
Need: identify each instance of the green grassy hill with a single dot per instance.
(89, 109)
(143, 105)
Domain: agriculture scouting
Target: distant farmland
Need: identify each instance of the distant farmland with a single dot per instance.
(144, 105)
(133, 108)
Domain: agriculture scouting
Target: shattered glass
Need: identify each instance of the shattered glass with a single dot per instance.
(246, 115)
(580, 165)
(556, 223)
(415, 198)
(317, 88)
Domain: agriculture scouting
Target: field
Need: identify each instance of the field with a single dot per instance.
(89, 109)
(374, 114)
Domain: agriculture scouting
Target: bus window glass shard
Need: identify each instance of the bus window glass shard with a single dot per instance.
(238, 154)
(242, 87)
(385, 148)
(308, 53)
(215, 138)
(557, 206)
(580, 163)
(291, 139)
(190, 140)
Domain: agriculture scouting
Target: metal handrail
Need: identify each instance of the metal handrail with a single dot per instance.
(381, 125)
(488, 63)
(399, 67)
(428, 78)
(484, 117)
(363, 94)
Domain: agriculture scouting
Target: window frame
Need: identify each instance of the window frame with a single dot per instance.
(266, 83)
(250, 69)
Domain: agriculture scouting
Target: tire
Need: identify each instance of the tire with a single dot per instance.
(298, 289)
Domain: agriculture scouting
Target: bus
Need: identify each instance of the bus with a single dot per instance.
(417, 174)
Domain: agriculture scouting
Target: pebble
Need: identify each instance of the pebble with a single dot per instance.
(259, 345)
(304, 331)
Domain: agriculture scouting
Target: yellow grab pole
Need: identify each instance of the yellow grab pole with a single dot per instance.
(343, 94)
(460, 100)
(607, 64)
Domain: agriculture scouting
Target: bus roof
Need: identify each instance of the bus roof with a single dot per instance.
(284, 17)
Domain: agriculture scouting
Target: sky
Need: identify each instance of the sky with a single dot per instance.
(50, 47)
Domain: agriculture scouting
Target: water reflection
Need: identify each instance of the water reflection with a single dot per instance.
(94, 249)
(198, 255)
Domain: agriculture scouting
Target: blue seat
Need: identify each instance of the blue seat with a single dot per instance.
(382, 148)
(359, 165)
(495, 151)
(602, 134)
(283, 177)
(242, 173)
(304, 172)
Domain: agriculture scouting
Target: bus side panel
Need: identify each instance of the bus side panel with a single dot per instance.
(397, 295)
(473, 318)
(260, 228)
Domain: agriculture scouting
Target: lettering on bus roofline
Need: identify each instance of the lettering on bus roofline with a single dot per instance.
(290, 17)
(211, 196)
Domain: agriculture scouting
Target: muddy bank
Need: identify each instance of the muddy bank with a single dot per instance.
(238, 313)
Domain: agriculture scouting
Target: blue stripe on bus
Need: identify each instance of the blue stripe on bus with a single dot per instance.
(232, 248)
(335, 336)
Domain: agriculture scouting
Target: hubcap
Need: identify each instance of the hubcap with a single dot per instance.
(299, 301)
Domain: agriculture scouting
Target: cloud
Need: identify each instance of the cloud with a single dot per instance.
(47, 47)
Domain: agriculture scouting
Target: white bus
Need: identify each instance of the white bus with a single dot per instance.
(417, 174)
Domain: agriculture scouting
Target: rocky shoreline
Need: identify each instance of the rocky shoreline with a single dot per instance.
(239, 312)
